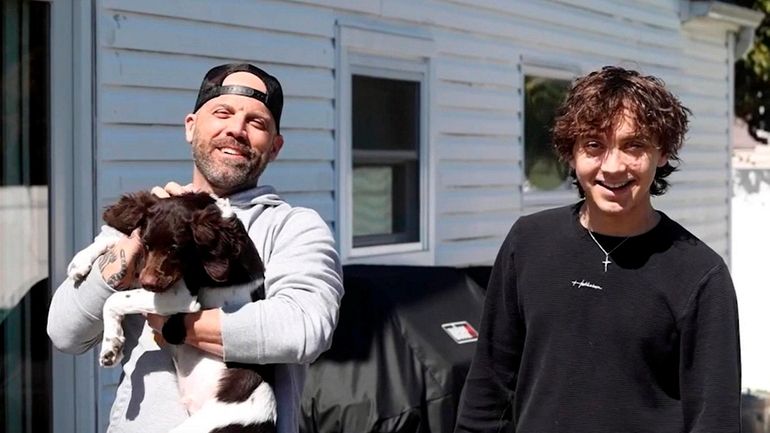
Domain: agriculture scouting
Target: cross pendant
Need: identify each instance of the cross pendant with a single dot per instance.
(606, 262)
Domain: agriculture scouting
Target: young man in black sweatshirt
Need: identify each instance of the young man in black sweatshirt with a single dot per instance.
(607, 316)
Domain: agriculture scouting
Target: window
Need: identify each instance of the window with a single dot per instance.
(386, 160)
(542, 169)
(25, 352)
(383, 190)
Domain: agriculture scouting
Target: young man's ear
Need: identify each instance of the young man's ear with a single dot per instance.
(277, 145)
(663, 160)
(189, 126)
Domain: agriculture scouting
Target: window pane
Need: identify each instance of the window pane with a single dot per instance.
(386, 113)
(542, 168)
(385, 208)
(25, 368)
(373, 201)
(386, 178)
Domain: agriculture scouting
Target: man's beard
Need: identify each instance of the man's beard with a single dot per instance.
(226, 175)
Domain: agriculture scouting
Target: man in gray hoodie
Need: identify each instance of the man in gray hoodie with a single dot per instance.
(234, 131)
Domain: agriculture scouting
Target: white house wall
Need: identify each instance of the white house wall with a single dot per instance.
(151, 56)
(150, 60)
(700, 195)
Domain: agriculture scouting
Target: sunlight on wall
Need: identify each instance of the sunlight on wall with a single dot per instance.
(751, 272)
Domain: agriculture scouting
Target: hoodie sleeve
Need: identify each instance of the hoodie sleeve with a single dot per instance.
(75, 315)
(303, 286)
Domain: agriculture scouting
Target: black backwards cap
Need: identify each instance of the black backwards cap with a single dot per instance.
(211, 87)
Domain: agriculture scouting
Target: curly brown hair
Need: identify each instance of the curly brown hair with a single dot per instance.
(597, 101)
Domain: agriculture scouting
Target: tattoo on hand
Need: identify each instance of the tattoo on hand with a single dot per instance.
(106, 259)
(116, 278)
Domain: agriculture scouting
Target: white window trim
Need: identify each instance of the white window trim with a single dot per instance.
(381, 50)
(71, 197)
(535, 200)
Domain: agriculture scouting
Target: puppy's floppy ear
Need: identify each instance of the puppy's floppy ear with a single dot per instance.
(245, 262)
(228, 251)
(207, 225)
(129, 212)
(249, 258)
(218, 268)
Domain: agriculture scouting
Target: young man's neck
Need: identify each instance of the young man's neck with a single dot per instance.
(624, 224)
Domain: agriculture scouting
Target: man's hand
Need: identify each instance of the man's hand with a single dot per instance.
(203, 330)
(172, 188)
(156, 322)
(120, 264)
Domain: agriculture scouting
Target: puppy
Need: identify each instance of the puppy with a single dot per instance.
(197, 255)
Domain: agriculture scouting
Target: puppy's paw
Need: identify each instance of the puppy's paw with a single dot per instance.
(112, 352)
(78, 268)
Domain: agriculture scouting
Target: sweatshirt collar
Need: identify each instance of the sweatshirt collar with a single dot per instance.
(264, 195)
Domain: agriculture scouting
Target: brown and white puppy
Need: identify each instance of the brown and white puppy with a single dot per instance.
(197, 255)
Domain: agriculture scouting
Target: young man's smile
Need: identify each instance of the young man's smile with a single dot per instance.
(616, 169)
(615, 187)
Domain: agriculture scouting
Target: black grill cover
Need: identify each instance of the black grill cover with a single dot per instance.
(392, 367)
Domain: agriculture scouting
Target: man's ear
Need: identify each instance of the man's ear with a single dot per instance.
(277, 146)
(129, 212)
(663, 159)
(189, 127)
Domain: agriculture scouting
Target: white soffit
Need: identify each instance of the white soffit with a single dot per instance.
(743, 21)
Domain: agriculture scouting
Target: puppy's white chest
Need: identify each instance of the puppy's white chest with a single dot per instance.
(198, 374)
(228, 298)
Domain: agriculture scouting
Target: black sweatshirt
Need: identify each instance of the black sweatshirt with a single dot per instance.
(650, 345)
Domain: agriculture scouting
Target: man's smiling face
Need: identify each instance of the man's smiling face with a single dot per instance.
(616, 168)
(233, 138)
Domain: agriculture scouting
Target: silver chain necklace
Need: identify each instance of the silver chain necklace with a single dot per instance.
(606, 253)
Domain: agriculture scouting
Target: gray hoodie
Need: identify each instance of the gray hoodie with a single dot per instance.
(290, 328)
